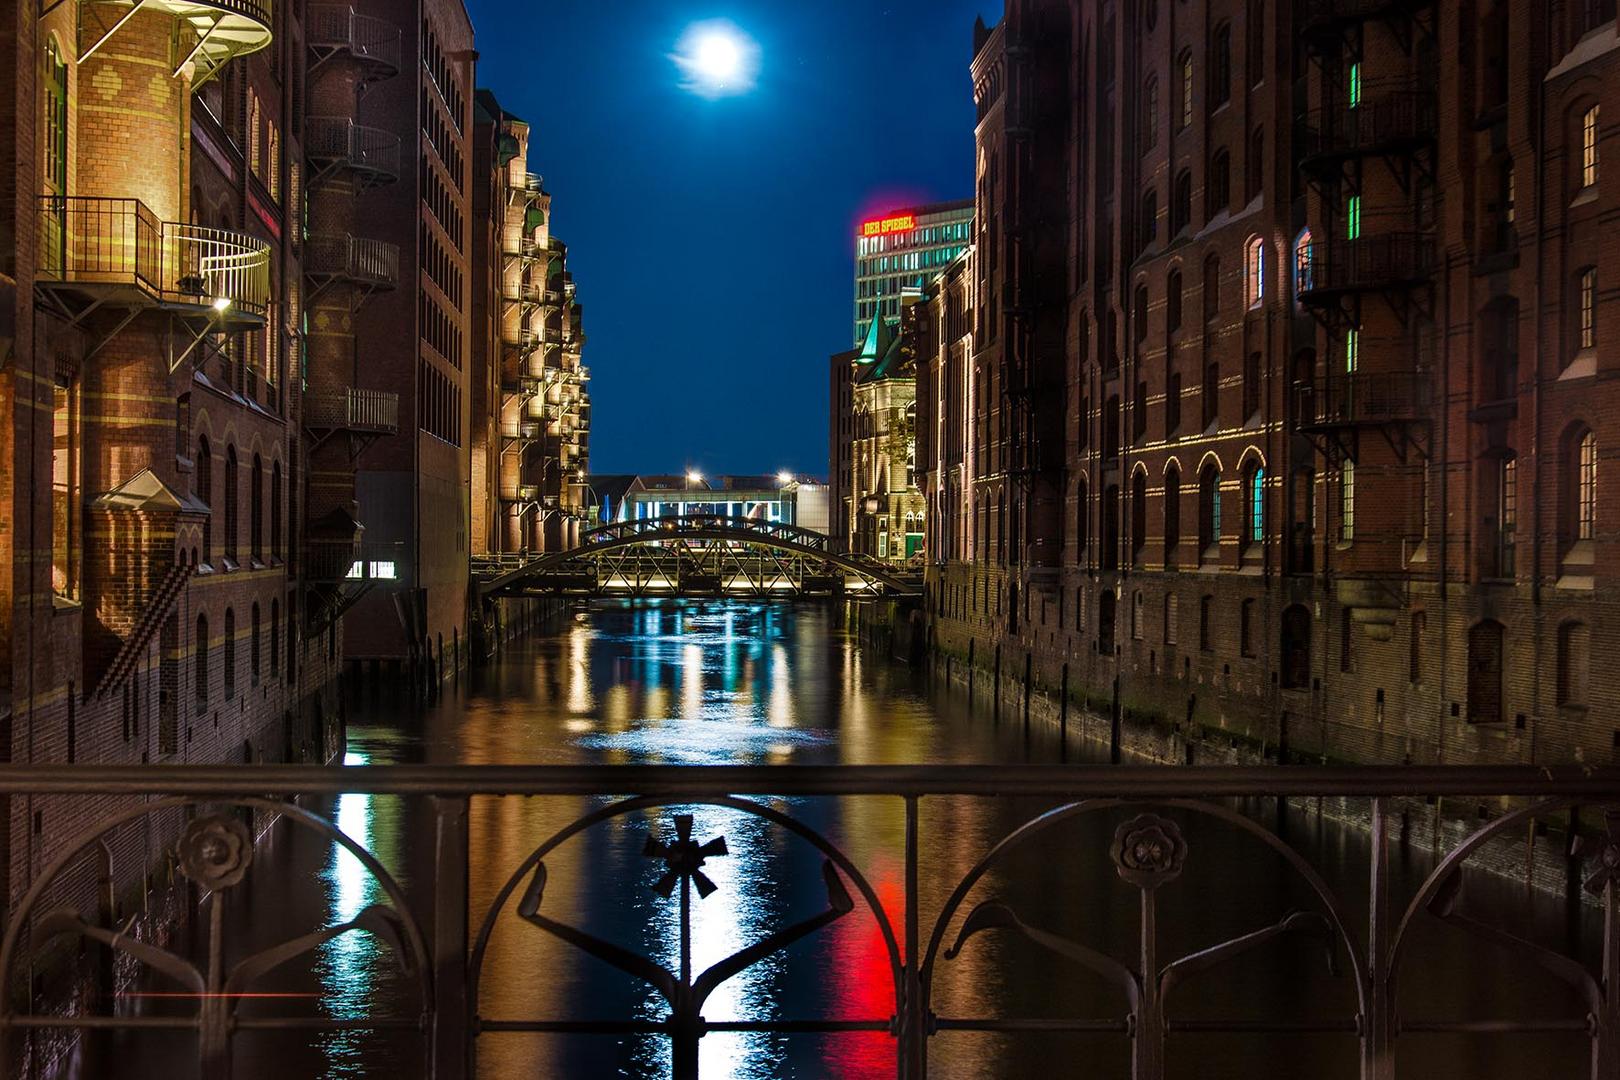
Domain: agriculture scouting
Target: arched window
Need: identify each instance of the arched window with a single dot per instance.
(203, 488)
(1206, 623)
(1347, 501)
(1181, 204)
(1172, 516)
(1254, 505)
(1254, 272)
(256, 510)
(1172, 301)
(199, 653)
(1172, 616)
(1586, 308)
(1485, 673)
(1139, 513)
(1150, 113)
(1583, 485)
(1296, 648)
(230, 655)
(1218, 185)
(275, 509)
(1304, 279)
(231, 522)
(1082, 520)
(1574, 664)
(253, 649)
(1209, 511)
(1110, 527)
(1138, 616)
(1220, 66)
(1110, 447)
(274, 632)
(1184, 115)
(1139, 312)
(1212, 287)
(1589, 147)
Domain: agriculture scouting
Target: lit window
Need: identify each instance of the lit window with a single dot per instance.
(1589, 147)
(1303, 277)
(1355, 85)
(1588, 308)
(1186, 90)
(1257, 506)
(1352, 224)
(65, 512)
(1347, 501)
(1254, 271)
(1586, 487)
(1352, 350)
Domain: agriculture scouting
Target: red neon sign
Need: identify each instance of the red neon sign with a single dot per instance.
(885, 226)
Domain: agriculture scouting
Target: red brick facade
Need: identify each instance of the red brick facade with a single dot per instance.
(1283, 404)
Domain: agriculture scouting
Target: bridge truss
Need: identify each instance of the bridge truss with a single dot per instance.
(693, 555)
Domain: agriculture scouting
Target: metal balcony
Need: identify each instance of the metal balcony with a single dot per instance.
(336, 144)
(220, 31)
(1319, 19)
(94, 250)
(365, 264)
(526, 431)
(525, 386)
(523, 342)
(373, 412)
(1365, 398)
(338, 30)
(1394, 123)
(1325, 270)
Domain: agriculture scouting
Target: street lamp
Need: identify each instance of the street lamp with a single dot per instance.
(784, 478)
(693, 478)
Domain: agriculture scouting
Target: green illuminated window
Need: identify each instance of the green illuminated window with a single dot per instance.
(1353, 225)
(1352, 350)
(1355, 85)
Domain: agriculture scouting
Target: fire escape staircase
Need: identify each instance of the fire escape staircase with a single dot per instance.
(157, 609)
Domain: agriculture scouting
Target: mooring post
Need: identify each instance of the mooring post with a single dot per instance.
(1114, 718)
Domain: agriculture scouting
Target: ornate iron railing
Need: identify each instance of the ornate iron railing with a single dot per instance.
(1145, 810)
(86, 240)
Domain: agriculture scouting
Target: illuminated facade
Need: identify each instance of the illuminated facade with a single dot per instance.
(1248, 424)
(532, 443)
(903, 251)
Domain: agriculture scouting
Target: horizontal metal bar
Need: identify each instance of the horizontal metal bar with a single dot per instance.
(329, 1023)
(1263, 1027)
(791, 1027)
(167, 1023)
(1493, 1027)
(1064, 781)
(656, 1027)
(1116, 1027)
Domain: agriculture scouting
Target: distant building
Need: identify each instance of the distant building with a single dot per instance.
(762, 498)
(877, 507)
(903, 251)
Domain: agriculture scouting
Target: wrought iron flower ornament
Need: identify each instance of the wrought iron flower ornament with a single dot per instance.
(1149, 851)
(683, 858)
(1602, 855)
(215, 851)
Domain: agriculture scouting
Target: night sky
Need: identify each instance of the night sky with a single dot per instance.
(712, 241)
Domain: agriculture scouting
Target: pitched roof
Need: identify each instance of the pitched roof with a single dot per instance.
(145, 491)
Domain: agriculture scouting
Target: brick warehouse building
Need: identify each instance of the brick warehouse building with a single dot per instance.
(1279, 394)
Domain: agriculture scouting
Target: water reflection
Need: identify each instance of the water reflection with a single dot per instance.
(732, 683)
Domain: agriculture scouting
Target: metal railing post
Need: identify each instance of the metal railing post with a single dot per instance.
(1378, 1026)
(913, 1023)
(452, 1043)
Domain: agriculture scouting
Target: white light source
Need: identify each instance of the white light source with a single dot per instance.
(784, 478)
(221, 303)
(717, 59)
(694, 477)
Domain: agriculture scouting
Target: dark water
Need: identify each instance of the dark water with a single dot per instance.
(729, 682)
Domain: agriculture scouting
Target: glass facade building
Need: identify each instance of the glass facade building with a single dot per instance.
(905, 249)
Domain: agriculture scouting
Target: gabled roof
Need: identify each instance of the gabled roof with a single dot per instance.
(879, 337)
(144, 491)
(887, 364)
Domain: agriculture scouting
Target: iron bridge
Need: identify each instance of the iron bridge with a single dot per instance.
(694, 555)
(1140, 830)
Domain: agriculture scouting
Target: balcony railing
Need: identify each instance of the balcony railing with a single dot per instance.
(338, 141)
(527, 431)
(1324, 269)
(120, 243)
(937, 905)
(369, 263)
(523, 342)
(1365, 398)
(1384, 124)
(372, 411)
(1317, 16)
(339, 27)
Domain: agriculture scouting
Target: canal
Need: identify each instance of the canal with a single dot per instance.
(724, 682)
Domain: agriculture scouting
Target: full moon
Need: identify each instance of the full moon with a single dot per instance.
(716, 59)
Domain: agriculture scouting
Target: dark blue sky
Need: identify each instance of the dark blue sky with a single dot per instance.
(712, 241)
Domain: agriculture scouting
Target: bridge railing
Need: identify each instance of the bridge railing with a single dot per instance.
(923, 907)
